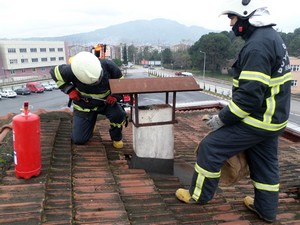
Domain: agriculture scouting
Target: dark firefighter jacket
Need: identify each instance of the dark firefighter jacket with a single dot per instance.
(261, 83)
(66, 81)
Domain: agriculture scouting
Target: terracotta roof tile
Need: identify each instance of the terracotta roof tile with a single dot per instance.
(93, 183)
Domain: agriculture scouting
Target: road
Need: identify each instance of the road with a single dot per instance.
(49, 100)
(54, 100)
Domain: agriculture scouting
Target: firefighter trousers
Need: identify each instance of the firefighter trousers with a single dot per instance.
(261, 150)
(84, 123)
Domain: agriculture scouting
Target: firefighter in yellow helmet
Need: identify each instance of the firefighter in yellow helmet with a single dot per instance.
(86, 81)
(254, 118)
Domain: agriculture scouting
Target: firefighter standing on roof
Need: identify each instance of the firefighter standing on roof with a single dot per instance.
(86, 81)
(254, 118)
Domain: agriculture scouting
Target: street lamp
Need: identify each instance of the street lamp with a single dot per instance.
(204, 61)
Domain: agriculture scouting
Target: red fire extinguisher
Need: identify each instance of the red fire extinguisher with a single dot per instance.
(26, 140)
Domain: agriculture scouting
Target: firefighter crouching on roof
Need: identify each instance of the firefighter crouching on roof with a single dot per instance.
(254, 118)
(86, 81)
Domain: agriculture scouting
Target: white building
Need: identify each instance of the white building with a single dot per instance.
(19, 59)
(295, 67)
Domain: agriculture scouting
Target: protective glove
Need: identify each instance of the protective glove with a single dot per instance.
(111, 100)
(74, 95)
(215, 122)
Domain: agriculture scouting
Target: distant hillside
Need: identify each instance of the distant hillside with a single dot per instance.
(139, 32)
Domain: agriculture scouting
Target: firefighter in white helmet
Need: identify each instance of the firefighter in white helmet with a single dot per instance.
(86, 81)
(254, 118)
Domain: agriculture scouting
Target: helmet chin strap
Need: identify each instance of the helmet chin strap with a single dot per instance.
(241, 27)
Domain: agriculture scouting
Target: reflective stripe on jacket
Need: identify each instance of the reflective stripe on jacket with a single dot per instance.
(261, 83)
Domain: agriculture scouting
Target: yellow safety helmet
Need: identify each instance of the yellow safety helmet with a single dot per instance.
(86, 67)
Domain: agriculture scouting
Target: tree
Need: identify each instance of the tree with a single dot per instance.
(294, 46)
(182, 60)
(131, 53)
(124, 54)
(217, 47)
(166, 56)
(155, 55)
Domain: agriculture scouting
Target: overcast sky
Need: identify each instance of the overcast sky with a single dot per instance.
(42, 18)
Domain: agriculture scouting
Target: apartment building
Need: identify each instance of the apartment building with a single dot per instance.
(295, 67)
(19, 59)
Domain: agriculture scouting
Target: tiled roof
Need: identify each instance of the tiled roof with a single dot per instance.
(93, 184)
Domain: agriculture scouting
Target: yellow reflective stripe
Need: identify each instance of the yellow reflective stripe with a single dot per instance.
(262, 125)
(198, 187)
(58, 77)
(237, 110)
(266, 187)
(263, 78)
(207, 173)
(99, 96)
(256, 76)
(235, 83)
(119, 125)
(202, 175)
(82, 109)
(271, 105)
(281, 80)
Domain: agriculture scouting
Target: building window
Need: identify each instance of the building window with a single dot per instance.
(33, 50)
(24, 60)
(12, 72)
(52, 59)
(51, 49)
(43, 49)
(13, 61)
(294, 83)
(60, 49)
(44, 59)
(11, 50)
(34, 60)
(295, 67)
(22, 50)
(23, 70)
(33, 69)
(61, 58)
(43, 69)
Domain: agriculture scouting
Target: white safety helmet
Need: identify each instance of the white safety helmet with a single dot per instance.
(86, 67)
(242, 8)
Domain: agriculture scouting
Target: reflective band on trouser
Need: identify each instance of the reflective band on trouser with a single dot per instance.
(266, 187)
(118, 125)
(202, 175)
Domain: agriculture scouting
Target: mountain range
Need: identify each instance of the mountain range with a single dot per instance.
(138, 32)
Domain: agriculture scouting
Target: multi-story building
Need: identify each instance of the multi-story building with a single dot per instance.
(295, 67)
(19, 59)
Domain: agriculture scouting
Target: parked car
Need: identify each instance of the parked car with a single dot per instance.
(8, 93)
(35, 87)
(0, 97)
(186, 74)
(54, 85)
(47, 87)
(178, 73)
(23, 91)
